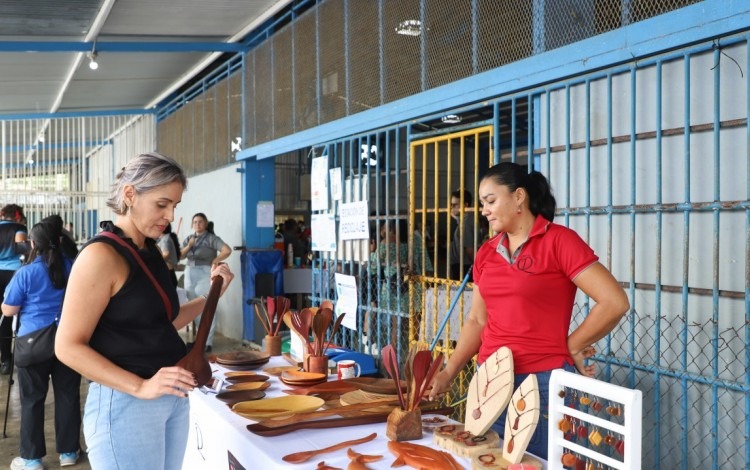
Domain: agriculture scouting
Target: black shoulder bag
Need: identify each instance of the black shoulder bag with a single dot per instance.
(36, 347)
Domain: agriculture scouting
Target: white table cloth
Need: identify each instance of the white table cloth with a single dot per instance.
(216, 432)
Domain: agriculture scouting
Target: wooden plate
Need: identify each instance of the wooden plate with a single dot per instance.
(277, 371)
(243, 367)
(302, 378)
(235, 379)
(277, 407)
(239, 373)
(249, 386)
(235, 396)
(243, 357)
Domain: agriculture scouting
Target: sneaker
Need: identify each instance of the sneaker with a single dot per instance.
(69, 458)
(20, 463)
(5, 368)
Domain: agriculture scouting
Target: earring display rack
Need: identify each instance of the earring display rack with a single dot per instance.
(581, 411)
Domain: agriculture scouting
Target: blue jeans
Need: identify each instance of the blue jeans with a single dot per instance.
(538, 442)
(124, 432)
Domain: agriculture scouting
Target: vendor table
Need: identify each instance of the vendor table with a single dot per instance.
(218, 438)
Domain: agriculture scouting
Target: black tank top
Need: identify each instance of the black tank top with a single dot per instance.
(134, 331)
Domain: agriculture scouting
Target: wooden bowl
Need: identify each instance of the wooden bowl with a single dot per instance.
(235, 379)
(235, 396)
(249, 386)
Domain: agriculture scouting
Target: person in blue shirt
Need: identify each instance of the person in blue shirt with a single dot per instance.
(12, 246)
(35, 294)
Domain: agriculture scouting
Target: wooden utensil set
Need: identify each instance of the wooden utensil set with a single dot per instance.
(271, 314)
(419, 369)
(314, 321)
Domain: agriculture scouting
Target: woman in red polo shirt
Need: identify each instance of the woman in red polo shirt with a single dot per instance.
(525, 282)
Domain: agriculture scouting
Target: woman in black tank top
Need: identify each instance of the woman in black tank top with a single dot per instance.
(116, 330)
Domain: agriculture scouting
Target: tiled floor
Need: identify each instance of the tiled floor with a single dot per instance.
(9, 442)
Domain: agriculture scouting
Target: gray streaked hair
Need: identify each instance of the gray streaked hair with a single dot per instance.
(145, 172)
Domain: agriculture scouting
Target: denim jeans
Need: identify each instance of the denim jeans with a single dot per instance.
(538, 442)
(124, 432)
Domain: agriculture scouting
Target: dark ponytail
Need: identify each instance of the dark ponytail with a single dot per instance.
(46, 238)
(514, 176)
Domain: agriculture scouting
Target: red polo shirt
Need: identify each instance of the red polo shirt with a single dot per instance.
(529, 296)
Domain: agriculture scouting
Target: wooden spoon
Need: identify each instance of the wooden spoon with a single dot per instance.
(336, 326)
(195, 361)
(391, 366)
(299, 457)
(320, 325)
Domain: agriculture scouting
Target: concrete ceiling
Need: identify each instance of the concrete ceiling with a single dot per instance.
(146, 49)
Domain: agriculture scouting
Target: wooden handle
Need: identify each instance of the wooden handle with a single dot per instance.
(299, 457)
(339, 410)
(369, 418)
(195, 361)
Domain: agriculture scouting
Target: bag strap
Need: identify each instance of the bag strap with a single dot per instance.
(145, 269)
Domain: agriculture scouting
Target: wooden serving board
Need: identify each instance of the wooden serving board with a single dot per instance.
(455, 439)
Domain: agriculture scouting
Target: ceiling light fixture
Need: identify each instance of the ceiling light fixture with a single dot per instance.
(409, 28)
(451, 119)
(93, 64)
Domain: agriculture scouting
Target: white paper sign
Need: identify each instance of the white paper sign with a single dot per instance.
(264, 216)
(319, 184)
(296, 348)
(355, 224)
(346, 289)
(336, 184)
(323, 232)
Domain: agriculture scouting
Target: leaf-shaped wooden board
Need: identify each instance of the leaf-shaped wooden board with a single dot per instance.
(375, 385)
(489, 392)
(326, 387)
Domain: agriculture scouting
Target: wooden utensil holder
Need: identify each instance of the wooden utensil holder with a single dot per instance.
(404, 425)
(318, 364)
(273, 345)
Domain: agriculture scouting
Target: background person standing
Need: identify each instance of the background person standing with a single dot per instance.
(12, 245)
(202, 249)
(36, 294)
(462, 250)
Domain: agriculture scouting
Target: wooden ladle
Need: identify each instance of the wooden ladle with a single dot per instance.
(195, 361)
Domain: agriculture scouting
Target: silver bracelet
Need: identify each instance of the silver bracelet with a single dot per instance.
(205, 297)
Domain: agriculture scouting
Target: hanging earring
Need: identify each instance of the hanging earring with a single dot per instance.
(518, 211)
